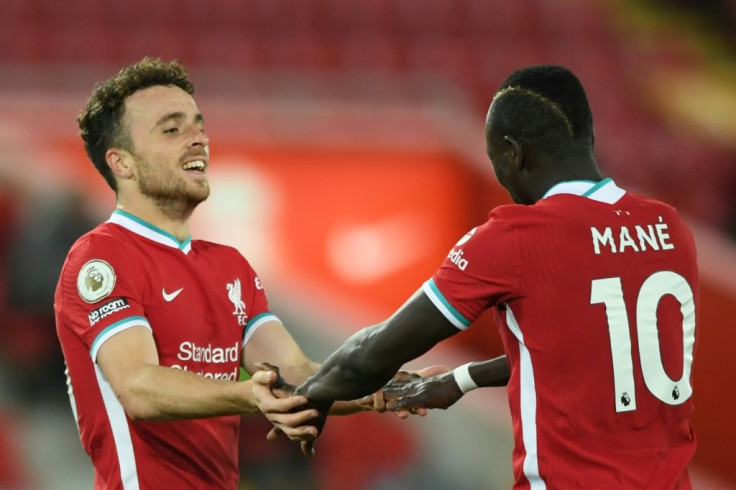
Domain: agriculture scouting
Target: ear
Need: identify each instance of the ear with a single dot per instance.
(120, 162)
(517, 152)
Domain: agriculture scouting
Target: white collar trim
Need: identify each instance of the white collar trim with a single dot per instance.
(604, 191)
(147, 230)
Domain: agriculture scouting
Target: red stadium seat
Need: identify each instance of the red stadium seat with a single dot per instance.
(370, 52)
(339, 16)
(426, 18)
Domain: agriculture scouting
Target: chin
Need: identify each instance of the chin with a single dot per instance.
(200, 193)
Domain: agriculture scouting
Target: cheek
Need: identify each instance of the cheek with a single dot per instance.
(501, 171)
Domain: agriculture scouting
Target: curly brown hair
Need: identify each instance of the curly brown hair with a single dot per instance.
(101, 121)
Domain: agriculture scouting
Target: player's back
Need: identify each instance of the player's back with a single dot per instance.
(601, 336)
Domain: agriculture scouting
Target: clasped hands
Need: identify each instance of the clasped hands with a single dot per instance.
(301, 419)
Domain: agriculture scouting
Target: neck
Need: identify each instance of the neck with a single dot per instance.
(581, 167)
(172, 217)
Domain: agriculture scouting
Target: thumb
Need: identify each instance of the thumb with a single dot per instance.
(263, 377)
(308, 448)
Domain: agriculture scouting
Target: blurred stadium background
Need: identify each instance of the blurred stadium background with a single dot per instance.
(347, 158)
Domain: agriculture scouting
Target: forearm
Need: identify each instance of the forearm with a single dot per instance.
(163, 393)
(371, 357)
(494, 372)
(354, 370)
(349, 407)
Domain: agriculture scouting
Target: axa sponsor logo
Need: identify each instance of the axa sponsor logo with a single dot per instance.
(456, 257)
(112, 306)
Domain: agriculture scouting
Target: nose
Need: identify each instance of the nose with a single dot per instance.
(199, 137)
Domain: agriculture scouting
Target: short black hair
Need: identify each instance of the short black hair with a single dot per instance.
(543, 105)
(101, 120)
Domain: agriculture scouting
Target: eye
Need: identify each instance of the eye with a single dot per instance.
(173, 130)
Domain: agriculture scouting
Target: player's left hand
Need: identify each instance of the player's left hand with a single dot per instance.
(377, 401)
(422, 393)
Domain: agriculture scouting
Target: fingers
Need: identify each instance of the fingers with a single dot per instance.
(433, 371)
(379, 404)
(274, 433)
(300, 434)
(295, 426)
(366, 400)
(374, 401)
(402, 414)
(403, 404)
(308, 448)
(405, 376)
(269, 403)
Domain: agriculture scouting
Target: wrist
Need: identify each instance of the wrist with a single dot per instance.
(463, 379)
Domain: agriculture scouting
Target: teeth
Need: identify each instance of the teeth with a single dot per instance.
(195, 165)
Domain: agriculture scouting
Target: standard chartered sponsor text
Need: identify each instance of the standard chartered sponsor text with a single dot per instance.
(190, 351)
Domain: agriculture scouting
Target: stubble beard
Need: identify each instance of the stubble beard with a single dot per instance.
(173, 195)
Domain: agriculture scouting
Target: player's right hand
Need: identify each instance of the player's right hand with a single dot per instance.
(287, 412)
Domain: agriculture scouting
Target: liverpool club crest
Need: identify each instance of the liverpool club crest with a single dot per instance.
(235, 294)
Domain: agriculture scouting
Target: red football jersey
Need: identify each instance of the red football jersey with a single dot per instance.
(202, 301)
(595, 292)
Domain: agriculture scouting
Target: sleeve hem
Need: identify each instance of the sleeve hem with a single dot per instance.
(115, 328)
(255, 323)
(436, 297)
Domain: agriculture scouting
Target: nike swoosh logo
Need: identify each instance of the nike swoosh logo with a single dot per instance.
(171, 296)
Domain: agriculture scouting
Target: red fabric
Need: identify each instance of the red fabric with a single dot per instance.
(540, 264)
(197, 330)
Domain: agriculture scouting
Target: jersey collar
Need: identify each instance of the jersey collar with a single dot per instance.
(604, 191)
(147, 230)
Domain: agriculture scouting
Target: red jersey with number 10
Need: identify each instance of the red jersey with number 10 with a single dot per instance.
(595, 292)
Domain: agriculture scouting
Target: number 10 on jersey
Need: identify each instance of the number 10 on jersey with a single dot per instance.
(609, 292)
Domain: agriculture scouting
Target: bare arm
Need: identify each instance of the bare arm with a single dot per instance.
(148, 391)
(444, 390)
(273, 344)
(493, 372)
(371, 357)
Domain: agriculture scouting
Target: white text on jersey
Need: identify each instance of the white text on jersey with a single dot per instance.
(456, 257)
(189, 351)
(643, 237)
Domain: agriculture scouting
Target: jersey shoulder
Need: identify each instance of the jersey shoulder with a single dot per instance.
(105, 240)
(96, 262)
(223, 253)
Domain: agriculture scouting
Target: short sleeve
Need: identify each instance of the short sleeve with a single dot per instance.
(100, 291)
(479, 272)
(257, 304)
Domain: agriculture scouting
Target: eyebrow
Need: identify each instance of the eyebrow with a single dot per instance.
(178, 116)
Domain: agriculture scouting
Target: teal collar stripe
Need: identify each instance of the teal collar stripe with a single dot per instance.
(147, 230)
(459, 316)
(604, 191)
(597, 186)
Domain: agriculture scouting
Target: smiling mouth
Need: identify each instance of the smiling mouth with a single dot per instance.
(194, 166)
